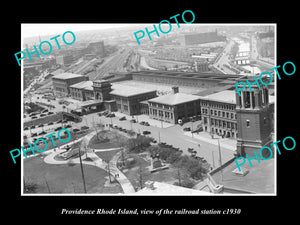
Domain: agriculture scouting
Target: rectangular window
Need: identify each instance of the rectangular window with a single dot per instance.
(248, 123)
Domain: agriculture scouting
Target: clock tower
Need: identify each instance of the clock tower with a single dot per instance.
(254, 119)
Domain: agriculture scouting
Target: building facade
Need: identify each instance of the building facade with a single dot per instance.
(170, 108)
(219, 115)
(62, 82)
(128, 99)
(254, 119)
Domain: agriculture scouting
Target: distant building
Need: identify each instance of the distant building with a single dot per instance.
(62, 82)
(64, 60)
(201, 38)
(96, 48)
(172, 107)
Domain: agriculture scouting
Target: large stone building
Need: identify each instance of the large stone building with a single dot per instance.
(172, 107)
(218, 113)
(113, 97)
(62, 82)
(128, 98)
(221, 113)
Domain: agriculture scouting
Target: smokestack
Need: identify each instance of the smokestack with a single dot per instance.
(175, 90)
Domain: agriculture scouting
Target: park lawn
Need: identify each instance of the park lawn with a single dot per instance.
(133, 174)
(66, 178)
(111, 140)
(107, 155)
(58, 143)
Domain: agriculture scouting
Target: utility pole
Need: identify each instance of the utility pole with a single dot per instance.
(220, 159)
(108, 171)
(179, 178)
(213, 158)
(158, 137)
(82, 174)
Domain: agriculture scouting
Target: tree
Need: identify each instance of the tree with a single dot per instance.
(138, 144)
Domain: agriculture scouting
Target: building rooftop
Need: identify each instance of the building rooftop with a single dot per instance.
(127, 91)
(174, 99)
(66, 76)
(169, 189)
(260, 178)
(222, 96)
(227, 96)
(83, 84)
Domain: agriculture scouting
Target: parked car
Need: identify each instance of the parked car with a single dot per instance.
(147, 124)
(84, 128)
(42, 133)
(32, 127)
(187, 129)
(33, 117)
(76, 130)
(57, 128)
(34, 135)
(146, 132)
(133, 121)
(111, 115)
(41, 125)
(26, 128)
(122, 118)
(104, 113)
(68, 126)
(50, 113)
(51, 123)
(142, 122)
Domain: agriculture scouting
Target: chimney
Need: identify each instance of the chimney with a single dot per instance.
(175, 90)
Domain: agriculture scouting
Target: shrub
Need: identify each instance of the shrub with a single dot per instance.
(186, 182)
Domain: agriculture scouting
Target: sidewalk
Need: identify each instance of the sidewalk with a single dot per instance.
(224, 142)
(96, 161)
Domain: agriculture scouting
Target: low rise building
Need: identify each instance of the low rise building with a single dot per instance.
(128, 98)
(62, 82)
(218, 113)
(172, 107)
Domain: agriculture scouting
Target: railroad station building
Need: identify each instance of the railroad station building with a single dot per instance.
(62, 82)
(172, 107)
(128, 99)
(218, 113)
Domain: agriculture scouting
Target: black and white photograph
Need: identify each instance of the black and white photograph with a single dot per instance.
(141, 111)
(128, 109)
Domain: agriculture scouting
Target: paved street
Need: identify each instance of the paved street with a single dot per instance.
(174, 135)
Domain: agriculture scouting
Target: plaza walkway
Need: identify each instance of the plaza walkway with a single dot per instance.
(96, 161)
